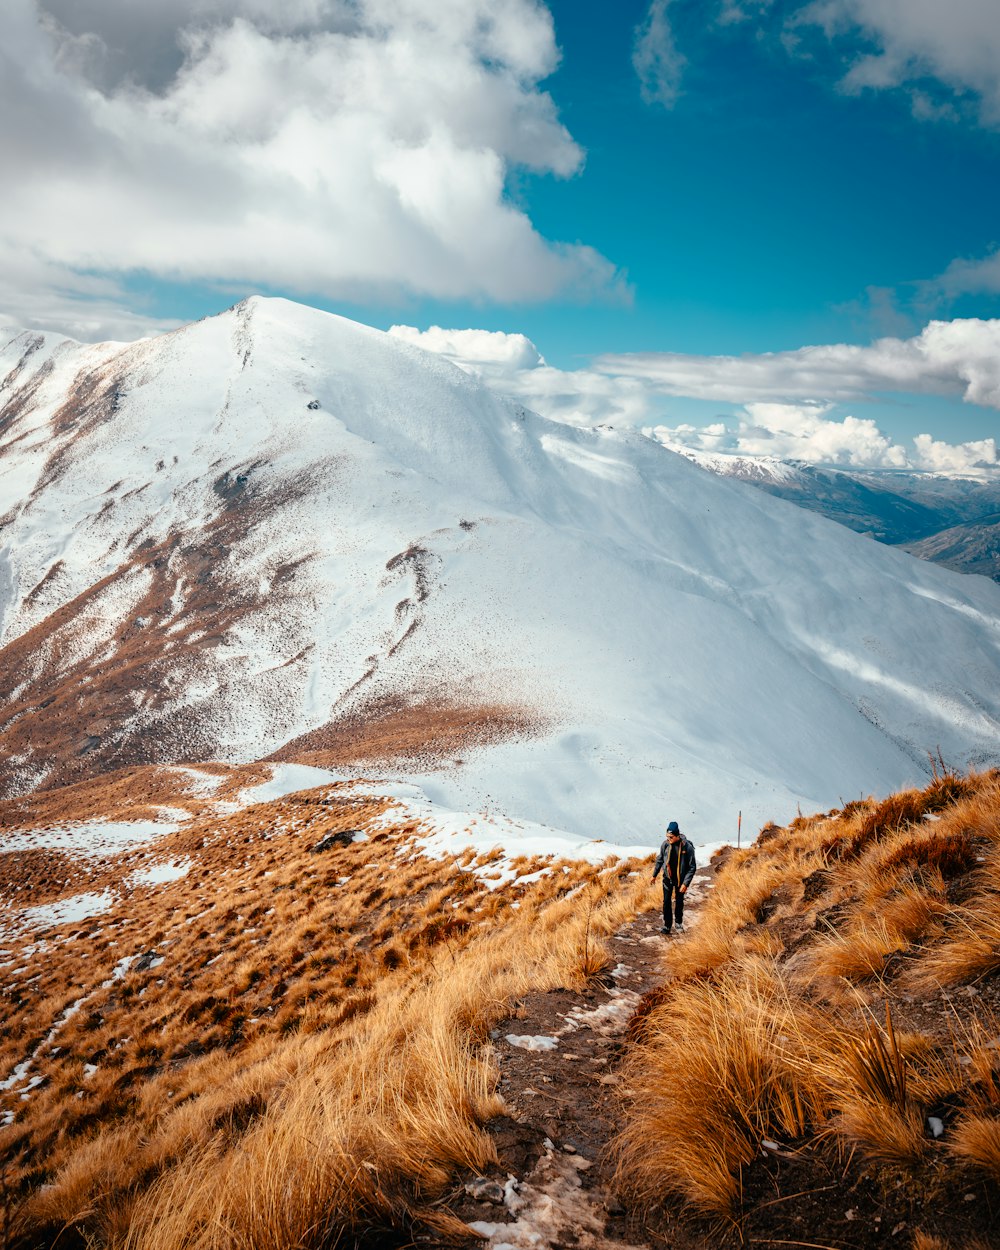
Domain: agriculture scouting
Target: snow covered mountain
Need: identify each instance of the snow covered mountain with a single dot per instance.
(942, 517)
(277, 533)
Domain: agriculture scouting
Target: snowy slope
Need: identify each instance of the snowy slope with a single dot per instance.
(277, 520)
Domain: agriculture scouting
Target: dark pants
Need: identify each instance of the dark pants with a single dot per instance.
(674, 891)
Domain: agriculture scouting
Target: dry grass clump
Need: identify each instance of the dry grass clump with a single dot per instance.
(285, 1046)
(803, 1013)
(723, 1053)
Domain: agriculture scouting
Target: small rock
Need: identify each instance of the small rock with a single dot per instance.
(851, 1215)
(935, 1125)
(898, 1229)
(344, 837)
(969, 1198)
(484, 1190)
(312, 405)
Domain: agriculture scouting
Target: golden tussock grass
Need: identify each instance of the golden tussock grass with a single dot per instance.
(282, 1047)
(796, 1011)
(928, 1241)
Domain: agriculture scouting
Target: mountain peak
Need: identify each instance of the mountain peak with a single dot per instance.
(280, 532)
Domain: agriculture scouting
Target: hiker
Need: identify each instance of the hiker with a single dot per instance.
(676, 858)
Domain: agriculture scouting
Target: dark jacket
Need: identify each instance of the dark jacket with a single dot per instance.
(686, 864)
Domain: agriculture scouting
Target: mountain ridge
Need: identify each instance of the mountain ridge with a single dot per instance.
(276, 523)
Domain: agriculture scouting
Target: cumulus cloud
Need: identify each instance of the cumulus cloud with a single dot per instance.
(490, 351)
(343, 148)
(944, 56)
(911, 41)
(655, 57)
(784, 403)
(805, 432)
(960, 357)
(514, 366)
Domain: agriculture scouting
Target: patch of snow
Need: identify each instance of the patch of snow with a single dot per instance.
(177, 814)
(608, 1018)
(449, 833)
(63, 911)
(119, 970)
(199, 783)
(88, 838)
(532, 1042)
(287, 779)
(160, 874)
(17, 1076)
(550, 1208)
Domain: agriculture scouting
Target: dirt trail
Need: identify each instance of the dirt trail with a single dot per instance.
(559, 1054)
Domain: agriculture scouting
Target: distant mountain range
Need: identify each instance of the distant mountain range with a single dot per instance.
(952, 520)
(278, 534)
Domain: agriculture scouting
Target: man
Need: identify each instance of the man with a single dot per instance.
(676, 858)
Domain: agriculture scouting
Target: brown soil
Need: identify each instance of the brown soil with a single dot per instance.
(126, 794)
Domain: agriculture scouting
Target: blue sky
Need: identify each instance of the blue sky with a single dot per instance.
(700, 178)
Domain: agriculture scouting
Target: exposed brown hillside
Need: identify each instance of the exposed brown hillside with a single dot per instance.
(822, 1066)
(91, 687)
(289, 1046)
(422, 731)
(286, 1045)
(970, 548)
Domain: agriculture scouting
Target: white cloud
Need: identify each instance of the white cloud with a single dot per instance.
(514, 366)
(478, 350)
(968, 276)
(87, 307)
(784, 401)
(805, 433)
(656, 59)
(948, 457)
(958, 44)
(960, 357)
(945, 57)
(333, 147)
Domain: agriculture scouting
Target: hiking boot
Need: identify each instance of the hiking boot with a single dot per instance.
(664, 929)
(680, 928)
